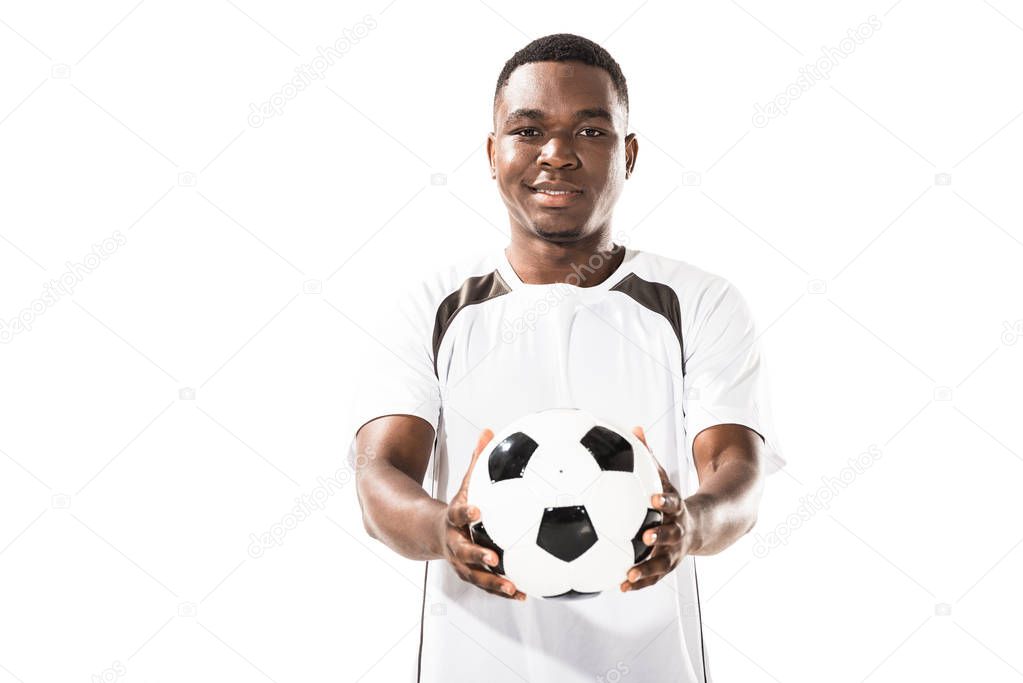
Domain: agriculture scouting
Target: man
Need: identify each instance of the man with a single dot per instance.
(563, 317)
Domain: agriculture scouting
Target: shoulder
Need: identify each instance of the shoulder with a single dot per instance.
(694, 286)
(440, 282)
(709, 304)
(423, 296)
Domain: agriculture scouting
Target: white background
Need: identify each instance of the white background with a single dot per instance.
(258, 261)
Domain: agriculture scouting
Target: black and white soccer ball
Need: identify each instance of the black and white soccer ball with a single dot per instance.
(564, 499)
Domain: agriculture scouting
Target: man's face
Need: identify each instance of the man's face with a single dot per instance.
(560, 125)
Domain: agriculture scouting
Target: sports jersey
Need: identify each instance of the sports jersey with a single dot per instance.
(659, 343)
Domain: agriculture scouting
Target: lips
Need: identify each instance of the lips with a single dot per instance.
(554, 189)
(554, 194)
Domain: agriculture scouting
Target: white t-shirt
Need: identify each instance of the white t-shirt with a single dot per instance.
(661, 344)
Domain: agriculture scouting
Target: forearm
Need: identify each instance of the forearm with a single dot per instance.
(724, 508)
(399, 513)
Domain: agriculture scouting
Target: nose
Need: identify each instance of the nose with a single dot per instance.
(557, 153)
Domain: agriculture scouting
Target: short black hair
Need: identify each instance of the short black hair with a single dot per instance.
(565, 47)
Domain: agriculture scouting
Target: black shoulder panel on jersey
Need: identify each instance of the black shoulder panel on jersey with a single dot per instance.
(474, 290)
(657, 297)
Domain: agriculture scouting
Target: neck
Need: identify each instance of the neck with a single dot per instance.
(584, 263)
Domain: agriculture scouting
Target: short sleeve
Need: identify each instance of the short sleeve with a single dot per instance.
(396, 374)
(725, 377)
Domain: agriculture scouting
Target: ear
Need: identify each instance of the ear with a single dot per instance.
(491, 151)
(631, 151)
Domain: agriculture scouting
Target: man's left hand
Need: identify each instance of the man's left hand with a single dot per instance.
(672, 540)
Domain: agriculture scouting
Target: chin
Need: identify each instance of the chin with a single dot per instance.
(558, 234)
(554, 230)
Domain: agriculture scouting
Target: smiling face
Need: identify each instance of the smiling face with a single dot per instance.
(559, 151)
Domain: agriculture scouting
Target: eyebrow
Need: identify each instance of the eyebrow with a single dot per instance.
(581, 115)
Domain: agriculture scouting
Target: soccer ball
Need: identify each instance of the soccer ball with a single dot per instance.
(564, 499)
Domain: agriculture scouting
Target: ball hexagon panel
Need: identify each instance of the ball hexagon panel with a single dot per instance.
(510, 509)
(564, 469)
(616, 504)
(645, 469)
(535, 571)
(603, 566)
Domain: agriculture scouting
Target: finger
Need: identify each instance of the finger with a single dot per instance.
(626, 586)
(488, 582)
(666, 484)
(668, 502)
(665, 481)
(467, 552)
(641, 435)
(485, 436)
(519, 595)
(461, 513)
(663, 535)
(656, 565)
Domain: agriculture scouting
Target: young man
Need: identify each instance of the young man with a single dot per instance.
(563, 317)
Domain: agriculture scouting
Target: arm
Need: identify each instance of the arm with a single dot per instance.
(399, 513)
(395, 508)
(724, 363)
(724, 507)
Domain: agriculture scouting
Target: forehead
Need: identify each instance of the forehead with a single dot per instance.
(559, 89)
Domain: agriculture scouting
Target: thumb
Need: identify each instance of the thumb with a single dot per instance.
(641, 435)
(485, 436)
(666, 484)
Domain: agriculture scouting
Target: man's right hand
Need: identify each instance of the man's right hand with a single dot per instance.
(469, 560)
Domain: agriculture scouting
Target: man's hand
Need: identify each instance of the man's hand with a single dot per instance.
(671, 541)
(468, 559)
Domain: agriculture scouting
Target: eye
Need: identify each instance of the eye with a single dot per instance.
(526, 130)
(598, 133)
